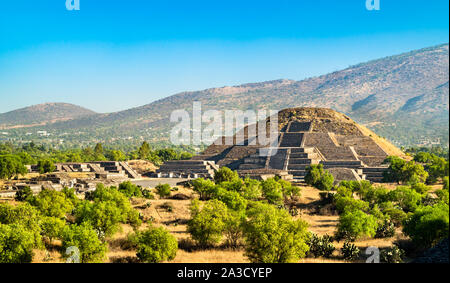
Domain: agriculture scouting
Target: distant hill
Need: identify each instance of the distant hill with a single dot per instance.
(42, 114)
(404, 98)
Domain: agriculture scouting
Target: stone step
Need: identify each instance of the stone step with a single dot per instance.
(374, 169)
(297, 173)
(300, 161)
(249, 166)
(374, 174)
(302, 150)
(200, 171)
(297, 166)
(300, 155)
(375, 179)
(192, 162)
(184, 166)
(255, 160)
(291, 140)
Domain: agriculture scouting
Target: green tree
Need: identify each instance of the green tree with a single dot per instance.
(25, 215)
(405, 197)
(271, 236)
(116, 155)
(163, 190)
(394, 171)
(420, 188)
(272, 191)
(130, 190)
(16, 244)
(290, 191)
(344, 204)
(207, 224)
(45, 166)
(156, 245)
(10, 166)
(85, 239)
(98, 150)
(232, 199)
(205, 188)
(52, 227)
(251, 189)
(428, 225)
(446, 183)
(144, 150)
(413, 172)
(225, 174)
(233, 230)
(24, 194)
(52, 203)
(319, 178)
(356, 224)
(103, 216)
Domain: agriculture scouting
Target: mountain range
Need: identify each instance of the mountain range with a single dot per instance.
(404, 98)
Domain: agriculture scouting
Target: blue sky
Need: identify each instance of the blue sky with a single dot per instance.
(117, 54)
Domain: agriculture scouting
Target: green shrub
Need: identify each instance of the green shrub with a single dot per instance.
(428, 225)
(24, 194)
(442, 195)
(233, 229)
(130, 190)
(86, 240)
(251, 189)
(205, 188)
(70, 195)
(52, 227)
(25, 215)
(386, 229)
(52, 203)
(401, 171)
(16, 244)
(343, 191)
(420, 188)
(392, 255)
(356, 224)
(397, 216)
(225, 174)
(156, 245)
(105, 217)
(344, 204)
(374, 195)
(272, 191)
(45, 166)
(147, 194)
(349, 251)
(405, 197)
(319, 178)
(445, 181)
(232, 199)
(207, 224)
(290, 191)
(313, 174)
(163, 190)
(321, 246)
(271, 236)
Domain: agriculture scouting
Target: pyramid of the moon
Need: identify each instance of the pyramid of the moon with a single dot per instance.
(305, 136)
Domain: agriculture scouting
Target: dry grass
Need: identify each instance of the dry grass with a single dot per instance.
(210, 256)
(142, 166)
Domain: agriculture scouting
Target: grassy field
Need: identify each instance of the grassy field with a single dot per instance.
(176, 222)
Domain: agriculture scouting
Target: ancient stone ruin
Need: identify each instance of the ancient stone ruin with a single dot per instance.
(305, 136)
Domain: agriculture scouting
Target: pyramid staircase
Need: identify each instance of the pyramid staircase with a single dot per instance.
(298, 159)
(187, 169)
